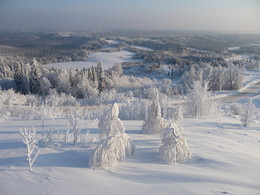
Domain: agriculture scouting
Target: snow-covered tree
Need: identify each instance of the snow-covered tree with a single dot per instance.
(154, 122)
(30, 141)
(174, 149)
(35, 79)
(248, 114)
(199, 103)
(101, 78)
(234, 75)
(76, 124)
(111, 150)
(110, 124)
(116, 145)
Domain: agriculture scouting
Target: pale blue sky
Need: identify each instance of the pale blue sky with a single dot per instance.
(211, 15)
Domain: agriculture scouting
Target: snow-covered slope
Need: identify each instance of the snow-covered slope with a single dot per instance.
(225, 160)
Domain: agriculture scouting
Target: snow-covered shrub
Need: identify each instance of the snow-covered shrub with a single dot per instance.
(110, 124)
(111, 150)
(174, 149)
(248, 114)
(32, 149)
(154, 122)
(236, 109)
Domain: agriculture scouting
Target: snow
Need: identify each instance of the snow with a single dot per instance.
(225, 161)
(108, 60)
(225, 157)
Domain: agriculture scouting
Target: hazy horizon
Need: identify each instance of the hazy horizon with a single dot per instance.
(165, 15)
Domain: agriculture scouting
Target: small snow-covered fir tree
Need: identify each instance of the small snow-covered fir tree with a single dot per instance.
(248, 114)
(110, 124)
(154, 123)
(174, 149)
(30, 141)
(115, 143)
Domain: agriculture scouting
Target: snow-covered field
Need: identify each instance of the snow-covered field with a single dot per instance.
(108, 60)
(225, 160)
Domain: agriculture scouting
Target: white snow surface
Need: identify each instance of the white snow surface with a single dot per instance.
(108, 60)
(225, 160)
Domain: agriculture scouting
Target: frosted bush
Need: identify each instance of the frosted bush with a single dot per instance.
(174, 149)
(111, 150)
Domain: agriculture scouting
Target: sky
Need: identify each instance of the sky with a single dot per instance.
(73, 15)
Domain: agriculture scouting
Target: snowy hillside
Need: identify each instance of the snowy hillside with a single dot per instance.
(225, 160)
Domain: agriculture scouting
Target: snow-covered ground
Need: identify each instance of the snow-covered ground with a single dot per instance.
(108, 60)
(225, 160)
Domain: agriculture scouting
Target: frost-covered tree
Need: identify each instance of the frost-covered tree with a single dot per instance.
(199, 103)
(30, 141)
(248, 114)
(110, 124)
(174, 149)
(76, 124)
(116, 145)
(234, 75)
(35, 79)
(154, 123)
(111, 150)
(101, 78)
